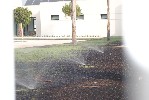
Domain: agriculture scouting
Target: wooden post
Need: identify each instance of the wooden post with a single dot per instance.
(74, 41)
(108, 21)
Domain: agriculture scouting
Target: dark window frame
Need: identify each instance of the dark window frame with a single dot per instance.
(78, 17)
(103, 16)
(53, 16)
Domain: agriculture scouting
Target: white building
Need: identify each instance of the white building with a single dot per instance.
(50, 21)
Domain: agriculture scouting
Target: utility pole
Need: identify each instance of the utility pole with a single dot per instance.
(74, 41)
(108, 21)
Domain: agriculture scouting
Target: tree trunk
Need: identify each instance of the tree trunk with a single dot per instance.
(20, 30)
(108, 23)
(74, 41)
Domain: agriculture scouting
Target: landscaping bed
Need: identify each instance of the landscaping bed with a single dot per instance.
(95, 73)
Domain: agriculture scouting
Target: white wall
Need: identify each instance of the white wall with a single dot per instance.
(17, 3)
(91, 25)
(116, 17)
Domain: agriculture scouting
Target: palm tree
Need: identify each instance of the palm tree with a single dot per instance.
(22, 18)
(108, 23)
(74, 41)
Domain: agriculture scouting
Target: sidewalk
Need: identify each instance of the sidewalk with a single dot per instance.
(32, 43)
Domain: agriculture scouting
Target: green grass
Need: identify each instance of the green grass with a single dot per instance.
(57, 51)
(101, 41)
(37, 54)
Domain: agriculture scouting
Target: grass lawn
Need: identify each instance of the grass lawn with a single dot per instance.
(57, 51)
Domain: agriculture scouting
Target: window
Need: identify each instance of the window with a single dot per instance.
(103, 16)
(34, 23)
(81, 17)
(54, 17)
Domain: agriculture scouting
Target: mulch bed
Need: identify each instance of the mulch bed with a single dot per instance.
(104, 81)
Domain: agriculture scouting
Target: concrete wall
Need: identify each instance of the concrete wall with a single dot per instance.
(116, 17)
(17, 3)
(91, 26)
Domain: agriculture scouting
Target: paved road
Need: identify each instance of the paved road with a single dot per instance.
(32, 43)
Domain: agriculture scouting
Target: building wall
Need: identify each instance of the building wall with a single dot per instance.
(17, 3)
(91, 26)
(116, 17)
